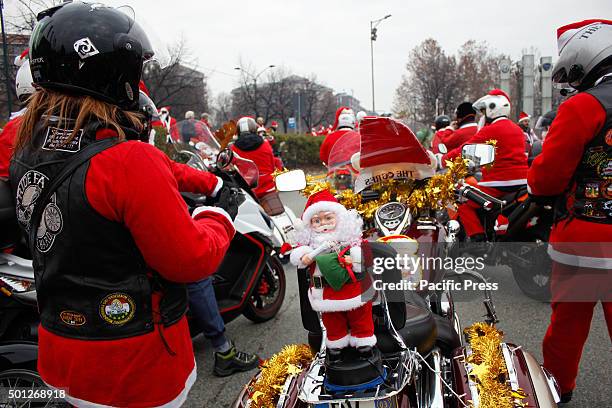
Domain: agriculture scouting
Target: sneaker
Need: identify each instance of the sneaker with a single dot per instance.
(233, 361)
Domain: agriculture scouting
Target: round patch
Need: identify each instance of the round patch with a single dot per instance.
(605, 169)
(29, 188)
(609, 138)
(606, 190)
(73, 318)
(117, 308)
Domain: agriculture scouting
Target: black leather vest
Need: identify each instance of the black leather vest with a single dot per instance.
(92, 281)
(592, 198)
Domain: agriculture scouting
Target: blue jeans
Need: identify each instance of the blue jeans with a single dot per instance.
(204, 309)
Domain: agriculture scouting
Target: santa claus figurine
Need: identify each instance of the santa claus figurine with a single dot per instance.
(329, 244)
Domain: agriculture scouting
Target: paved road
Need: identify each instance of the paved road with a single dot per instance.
(523, 321)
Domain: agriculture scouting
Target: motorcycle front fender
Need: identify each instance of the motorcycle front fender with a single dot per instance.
(18, 355)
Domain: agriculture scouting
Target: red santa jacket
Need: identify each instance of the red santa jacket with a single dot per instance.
(136, 185)
(7, 141)
(510, 166)
(329, 142)
(255, 148)
(578, 121)
(460, 136)
(441, 136)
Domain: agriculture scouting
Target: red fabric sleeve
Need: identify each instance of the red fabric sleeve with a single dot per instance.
(7, 142)
(192, 180)
(578, 121)
(480, 137)
(133, 183)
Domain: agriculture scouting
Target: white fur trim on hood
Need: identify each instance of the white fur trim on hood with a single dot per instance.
(319, 304)
(334, 207)
(337, 344)
(362, 341)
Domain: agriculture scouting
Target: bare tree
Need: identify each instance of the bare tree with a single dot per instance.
(179, 85)
(222, 108)
(25, 19)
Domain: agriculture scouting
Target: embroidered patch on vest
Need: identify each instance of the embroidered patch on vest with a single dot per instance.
(609, 138)
(28, 190)
(72, 318)
(61, 140)
(605, 169)
(117, 308)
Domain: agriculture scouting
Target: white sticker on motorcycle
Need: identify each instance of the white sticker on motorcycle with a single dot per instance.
(28, 191)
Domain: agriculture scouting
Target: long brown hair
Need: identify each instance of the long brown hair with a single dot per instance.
(73, 113)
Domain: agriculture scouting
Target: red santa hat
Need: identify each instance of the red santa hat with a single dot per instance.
(321, 201)
(22, 58)
(499, 92)
(274, 124)
(523, 116)
(143, 88)
(567, 32)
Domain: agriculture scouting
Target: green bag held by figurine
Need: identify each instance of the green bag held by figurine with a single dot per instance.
(334, 273)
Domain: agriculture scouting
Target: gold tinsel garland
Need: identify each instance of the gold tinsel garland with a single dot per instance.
(291, 360)
(489, 370)
(436, 193)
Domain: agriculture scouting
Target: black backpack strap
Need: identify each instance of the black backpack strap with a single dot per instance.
(69, 168)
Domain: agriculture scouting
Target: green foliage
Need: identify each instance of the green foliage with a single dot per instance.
(299, 150)
(170, 149)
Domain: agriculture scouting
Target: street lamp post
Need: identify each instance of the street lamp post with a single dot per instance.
(6, 62)
(255, 77)
(373, 30)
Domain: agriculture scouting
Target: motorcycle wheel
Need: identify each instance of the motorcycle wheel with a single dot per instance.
(26, 379)
(534, 280)
(269, 293)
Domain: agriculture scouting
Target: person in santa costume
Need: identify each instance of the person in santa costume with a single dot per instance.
(345, 122)
(530, 137)
(576, 167)
(443, 131)
(329, 240)
(24, 89)
(509, 171)
(465, 117)
(169, 123)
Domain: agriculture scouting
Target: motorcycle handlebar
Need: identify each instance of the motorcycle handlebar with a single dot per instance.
(484, 200)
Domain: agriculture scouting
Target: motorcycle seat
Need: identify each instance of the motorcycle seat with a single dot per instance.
(419, 331)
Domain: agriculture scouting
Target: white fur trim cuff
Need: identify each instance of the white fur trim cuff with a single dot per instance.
(362, 341)
(218, 187)
(315, 296)
(322, 206)
(296, 255)
(337, 344)
(217, 210)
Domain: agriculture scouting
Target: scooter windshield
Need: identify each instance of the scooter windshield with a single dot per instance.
(247, 169)
(197, 134)
(340, 170)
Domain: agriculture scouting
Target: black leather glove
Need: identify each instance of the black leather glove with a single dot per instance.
(543, 200)
(227, 199)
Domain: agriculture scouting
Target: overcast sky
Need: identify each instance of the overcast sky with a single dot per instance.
(330, 38)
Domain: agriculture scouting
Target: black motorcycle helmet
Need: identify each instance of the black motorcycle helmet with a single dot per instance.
(442, 121)
(465, 112)
(89, 49)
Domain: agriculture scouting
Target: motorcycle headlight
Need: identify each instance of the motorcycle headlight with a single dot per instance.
(15, 284)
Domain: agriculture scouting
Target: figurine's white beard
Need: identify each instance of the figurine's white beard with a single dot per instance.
(347, 231)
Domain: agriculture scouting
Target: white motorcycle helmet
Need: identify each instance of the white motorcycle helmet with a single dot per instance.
(495, 104)
(23, 79)
(585, 53)
(246, 125)
(346, 119)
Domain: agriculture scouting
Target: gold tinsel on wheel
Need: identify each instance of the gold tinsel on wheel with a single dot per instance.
(489, 370)
(435, 193)
(291, 360)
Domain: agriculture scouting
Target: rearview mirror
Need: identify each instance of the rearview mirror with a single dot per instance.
(442, 148)
(291, 181)
(480, 154)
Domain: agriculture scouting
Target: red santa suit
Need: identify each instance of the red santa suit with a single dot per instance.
(254, 147)
(580, 137)
(441, 136)
(460, 136)
(509, 171)
(347, 312)
(7, 143)
(139, 371)
(341, 129)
